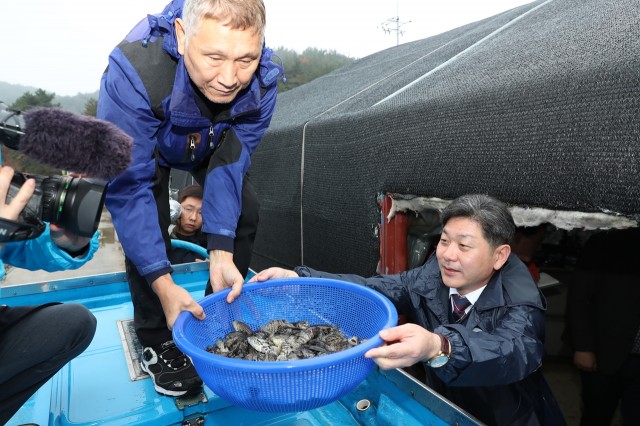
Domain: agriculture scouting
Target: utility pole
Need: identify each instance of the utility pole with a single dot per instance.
(388, 25)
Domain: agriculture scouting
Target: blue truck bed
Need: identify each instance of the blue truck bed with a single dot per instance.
(104, 385)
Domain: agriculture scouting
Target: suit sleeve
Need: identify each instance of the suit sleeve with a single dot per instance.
(507, 354)
(395, 287)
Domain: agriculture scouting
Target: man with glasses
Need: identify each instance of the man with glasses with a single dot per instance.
(188, 226)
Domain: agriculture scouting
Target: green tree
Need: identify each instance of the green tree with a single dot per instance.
(91, 107)
(40, 98)
(309, 65)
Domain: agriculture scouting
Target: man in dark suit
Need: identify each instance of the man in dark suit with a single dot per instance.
(603, 326)
(476, 318)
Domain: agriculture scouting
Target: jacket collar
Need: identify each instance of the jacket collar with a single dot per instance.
(492, 296)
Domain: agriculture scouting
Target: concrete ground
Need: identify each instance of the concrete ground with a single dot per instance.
(564, 381)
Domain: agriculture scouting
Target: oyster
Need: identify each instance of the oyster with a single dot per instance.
(281, 340)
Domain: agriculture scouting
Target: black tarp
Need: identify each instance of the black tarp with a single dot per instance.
(537, 106)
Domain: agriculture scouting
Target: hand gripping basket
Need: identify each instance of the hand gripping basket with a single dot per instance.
(287, 386)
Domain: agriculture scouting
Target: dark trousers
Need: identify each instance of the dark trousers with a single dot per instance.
(35, 348)
(149, 320)
(601, 394)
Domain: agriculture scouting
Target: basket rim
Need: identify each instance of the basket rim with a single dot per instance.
(266, 367)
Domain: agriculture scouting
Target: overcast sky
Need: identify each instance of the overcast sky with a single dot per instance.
(62, 46)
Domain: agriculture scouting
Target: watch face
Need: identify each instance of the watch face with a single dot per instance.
(438, 361)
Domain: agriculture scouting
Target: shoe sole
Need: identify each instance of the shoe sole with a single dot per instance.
(161, 391)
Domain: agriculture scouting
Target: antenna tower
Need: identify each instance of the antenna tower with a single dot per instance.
(393, 25)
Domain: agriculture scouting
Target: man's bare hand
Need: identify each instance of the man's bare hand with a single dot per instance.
(271, 273)
(175, 299)
(404, 345)
(224, 274)
(585, 361)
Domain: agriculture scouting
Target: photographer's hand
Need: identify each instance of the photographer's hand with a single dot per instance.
(12, 210)
(67, 240)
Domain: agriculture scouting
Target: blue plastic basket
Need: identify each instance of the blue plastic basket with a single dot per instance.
(287, 386)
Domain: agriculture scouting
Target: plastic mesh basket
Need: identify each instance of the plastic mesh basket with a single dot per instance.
(287, 386)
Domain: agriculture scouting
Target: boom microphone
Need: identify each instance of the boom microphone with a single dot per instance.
(69, 141)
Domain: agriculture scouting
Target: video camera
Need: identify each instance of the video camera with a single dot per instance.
(73, 203)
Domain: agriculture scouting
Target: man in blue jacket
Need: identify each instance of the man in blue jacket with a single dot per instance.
(195, 88)
(477, 318)
(37, 341)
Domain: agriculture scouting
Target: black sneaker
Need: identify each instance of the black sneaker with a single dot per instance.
(171, 371)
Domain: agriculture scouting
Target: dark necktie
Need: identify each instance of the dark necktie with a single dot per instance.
(460, 303)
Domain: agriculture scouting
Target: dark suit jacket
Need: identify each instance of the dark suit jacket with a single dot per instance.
(494, 371)
(603, 303)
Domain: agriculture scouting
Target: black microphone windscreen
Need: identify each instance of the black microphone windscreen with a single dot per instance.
(79, 143)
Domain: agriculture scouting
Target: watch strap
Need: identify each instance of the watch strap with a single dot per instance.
(445, 346)
(445, 352)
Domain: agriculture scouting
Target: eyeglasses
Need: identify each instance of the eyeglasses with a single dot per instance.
(189, 210)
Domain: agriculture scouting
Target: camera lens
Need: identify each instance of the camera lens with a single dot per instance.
(73, 203)
(53, 194)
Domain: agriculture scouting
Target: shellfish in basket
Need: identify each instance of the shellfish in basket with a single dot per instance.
(281, 340)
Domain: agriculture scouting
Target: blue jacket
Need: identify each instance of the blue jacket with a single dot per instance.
(147, 92)
(43, 253)
(495, 354)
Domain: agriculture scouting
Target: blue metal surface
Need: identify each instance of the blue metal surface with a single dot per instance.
(95, 388)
